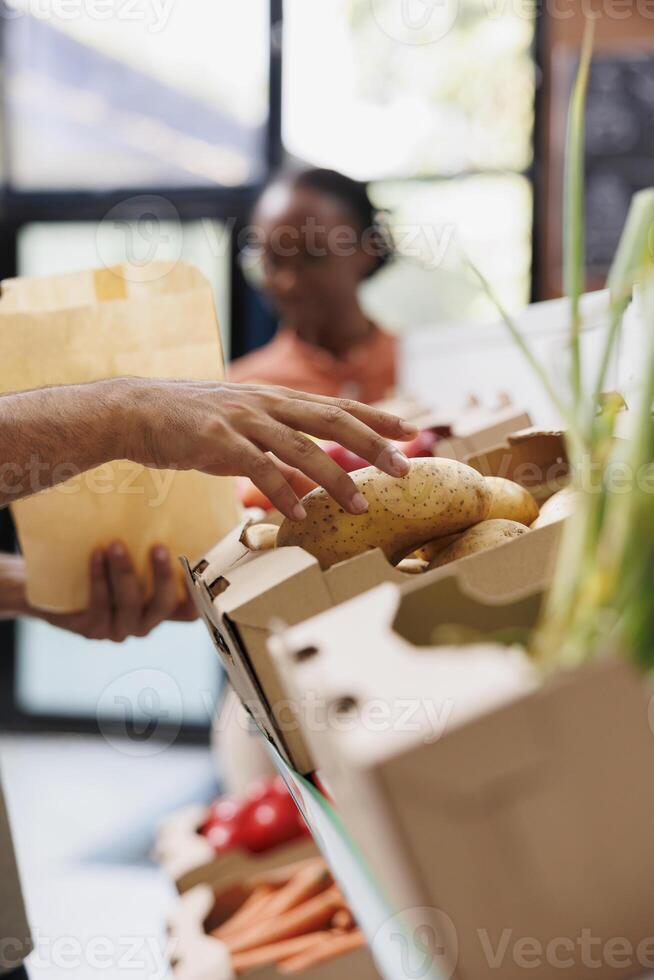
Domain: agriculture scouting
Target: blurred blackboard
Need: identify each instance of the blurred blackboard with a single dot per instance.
(619, 147)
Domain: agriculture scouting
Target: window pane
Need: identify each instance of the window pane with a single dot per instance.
(172, 675)
(49, 249)
(176, 666)
(449, 90)
(435, 224)
(115, 93)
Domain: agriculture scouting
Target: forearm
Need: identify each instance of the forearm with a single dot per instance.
(12, 587)
(51, 434)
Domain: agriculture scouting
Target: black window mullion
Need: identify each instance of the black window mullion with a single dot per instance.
(275, 149)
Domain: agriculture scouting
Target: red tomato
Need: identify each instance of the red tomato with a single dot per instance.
(347, 460)
(266, 818)
(251, 496)
(224, 837)
(421, 445)
(272, 822)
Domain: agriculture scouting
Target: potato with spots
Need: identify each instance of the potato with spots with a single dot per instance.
(437, 497)
(510, 501)
(559, 506)
(487, 534)
(428, 551)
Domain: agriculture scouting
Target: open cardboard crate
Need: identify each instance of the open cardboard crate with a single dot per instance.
(462, 431)
(200, 956)
(242, 595)
(189, 859)
(535, 458)
(519, 828)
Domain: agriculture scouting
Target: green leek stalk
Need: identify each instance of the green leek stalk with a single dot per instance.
(602, 592)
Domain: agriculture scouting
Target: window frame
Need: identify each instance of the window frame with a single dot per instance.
(18, 209)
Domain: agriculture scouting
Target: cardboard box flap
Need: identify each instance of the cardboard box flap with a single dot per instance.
(533, 458)
(566, 850)
(223, 555)
(459, 422)
(239, 671)
(395, 665)
(255, 596)
(483, 764)
(350, 578)
(517, 569)
(522, 565)
(248, 588)
(475, 431)
(450, 601)
(480, 419)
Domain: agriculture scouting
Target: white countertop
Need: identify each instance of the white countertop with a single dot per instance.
(83, 815)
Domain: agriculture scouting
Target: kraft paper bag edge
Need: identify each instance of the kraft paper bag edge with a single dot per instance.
(59, 528)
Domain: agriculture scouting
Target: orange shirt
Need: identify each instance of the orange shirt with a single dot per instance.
(367, 372)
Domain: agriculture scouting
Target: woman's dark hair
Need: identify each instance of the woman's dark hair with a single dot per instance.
(353, 195)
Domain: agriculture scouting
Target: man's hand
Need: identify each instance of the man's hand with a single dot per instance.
(218, 428)
(229, 430)
(117, 607)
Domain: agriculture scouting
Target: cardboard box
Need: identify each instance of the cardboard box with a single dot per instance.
(463, 430)
(535, 458)
(241, 596)
(519, 831)
(199, 956)
(478, 429)
(190, 860)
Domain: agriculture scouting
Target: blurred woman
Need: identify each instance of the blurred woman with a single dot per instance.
(319, 238)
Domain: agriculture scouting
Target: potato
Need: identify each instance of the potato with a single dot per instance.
(510, 501)
(559, 506)
(260, 537)
(437, 497)
(428, 551)
(487, 534)
(412, 566)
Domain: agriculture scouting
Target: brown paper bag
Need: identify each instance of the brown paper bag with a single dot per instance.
(153, 321)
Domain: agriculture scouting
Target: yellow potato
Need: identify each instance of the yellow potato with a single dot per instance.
(487, 534)
(260, 537)
(558, 506)
(510, 501)
(412, 566)
(437, 497)
(427, 552)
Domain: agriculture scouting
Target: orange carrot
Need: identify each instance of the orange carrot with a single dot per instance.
(315, 914)
(248, 912)
(265, 955)
(305, 885)
(328, 949)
